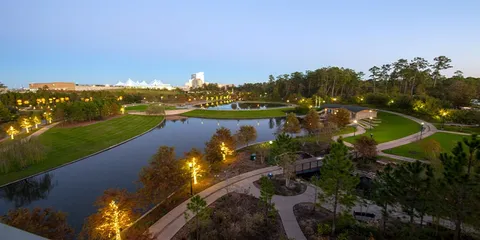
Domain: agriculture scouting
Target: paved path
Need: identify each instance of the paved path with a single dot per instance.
(452, 132)
(173, 221)
(358, 131)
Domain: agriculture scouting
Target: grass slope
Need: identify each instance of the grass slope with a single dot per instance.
(68, 144)
(234, 114)
(392, 127)
(414, 150)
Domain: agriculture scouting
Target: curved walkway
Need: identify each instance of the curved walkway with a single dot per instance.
(173, 221)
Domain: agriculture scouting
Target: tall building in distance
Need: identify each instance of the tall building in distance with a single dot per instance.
(196, 80)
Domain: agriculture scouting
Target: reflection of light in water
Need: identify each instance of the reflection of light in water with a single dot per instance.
(202, 121)
(258, 123)
(218, 123)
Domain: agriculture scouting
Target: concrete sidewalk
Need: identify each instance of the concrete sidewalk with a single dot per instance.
(173, 221)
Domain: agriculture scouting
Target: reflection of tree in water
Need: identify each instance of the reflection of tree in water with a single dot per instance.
(183, 120)
(271, 123)
(162, 124)
(27, 191)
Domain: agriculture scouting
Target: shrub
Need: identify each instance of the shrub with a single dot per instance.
(464, 116)
(155, 109)
(377, 99)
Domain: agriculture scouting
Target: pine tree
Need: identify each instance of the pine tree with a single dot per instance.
(460, 184)
(338, 180)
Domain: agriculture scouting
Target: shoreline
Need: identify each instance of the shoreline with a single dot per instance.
(83, 158)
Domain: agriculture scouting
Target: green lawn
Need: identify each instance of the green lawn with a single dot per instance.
(471, 130)
(447, 142)
(143, 108)
(67, 144)
(234, 114)
(392, 127)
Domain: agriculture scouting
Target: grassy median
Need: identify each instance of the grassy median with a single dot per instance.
(68, 144)
(238, 114)
(391, 128)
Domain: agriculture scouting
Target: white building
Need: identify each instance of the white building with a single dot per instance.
(136, 84)
(196, 80)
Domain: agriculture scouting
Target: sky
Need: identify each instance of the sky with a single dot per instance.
(103, 42)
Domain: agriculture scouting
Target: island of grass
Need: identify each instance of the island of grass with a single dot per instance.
(418, 149)
(64, 145)
(392, 127)
(238, 114)
(143, 108)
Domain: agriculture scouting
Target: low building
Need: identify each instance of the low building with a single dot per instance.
(356, 112)
(53, 86)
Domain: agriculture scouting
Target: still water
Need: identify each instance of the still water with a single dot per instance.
(74, 188)
(240, 105)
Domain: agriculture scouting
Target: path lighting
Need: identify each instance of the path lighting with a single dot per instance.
(334, 99)
(371, 122)
(122, 110)
(288, 101)
(422, 127)
(355, 124)
(270, 142)
(12, 132)
(270, 175)
(225, 151)
(371, 135)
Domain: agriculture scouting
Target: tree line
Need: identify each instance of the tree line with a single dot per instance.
(415, 77)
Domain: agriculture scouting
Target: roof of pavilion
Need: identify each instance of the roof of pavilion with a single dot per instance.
(350, 108)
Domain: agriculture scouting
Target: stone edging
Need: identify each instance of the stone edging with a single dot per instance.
(85, 157)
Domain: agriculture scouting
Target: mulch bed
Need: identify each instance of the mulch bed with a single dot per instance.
(236, 216)
(296, 188)
(308, 220)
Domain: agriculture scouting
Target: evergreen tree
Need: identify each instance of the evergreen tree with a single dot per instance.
(338, 180)
(460, 184)
(198, 207)
(267, 190)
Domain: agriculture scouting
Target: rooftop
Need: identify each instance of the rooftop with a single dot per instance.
(351, 108)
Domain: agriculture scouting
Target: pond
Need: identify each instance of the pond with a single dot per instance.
(74, 188)
(240, 105)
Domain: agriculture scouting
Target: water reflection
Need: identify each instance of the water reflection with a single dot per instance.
(78, 185)
(24, 192)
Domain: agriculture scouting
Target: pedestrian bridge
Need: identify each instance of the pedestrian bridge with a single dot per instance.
(313, 164)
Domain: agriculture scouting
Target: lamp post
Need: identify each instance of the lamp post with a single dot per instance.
(354, 125)
(191, 178)
(421, 130)
(370, 123)
(371, 135)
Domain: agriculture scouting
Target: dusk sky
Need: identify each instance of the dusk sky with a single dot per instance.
(102, 42)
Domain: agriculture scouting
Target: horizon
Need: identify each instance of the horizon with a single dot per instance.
(232, 42)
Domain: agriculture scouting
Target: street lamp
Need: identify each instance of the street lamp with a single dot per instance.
(371, 135)
(354, 125)
(190, 164)
(270, 142)
(370, 123)
(421, 129)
